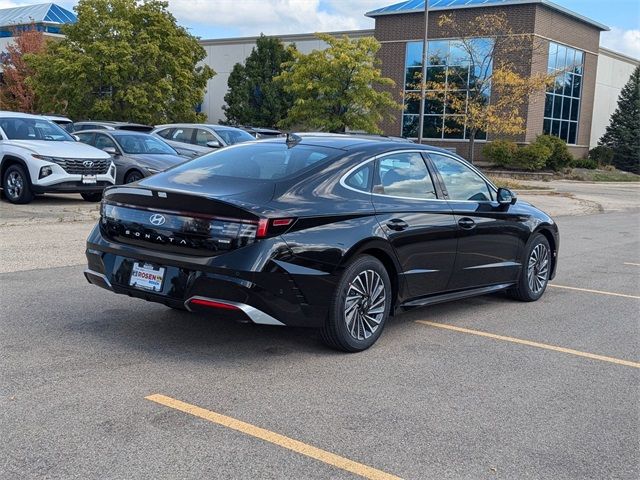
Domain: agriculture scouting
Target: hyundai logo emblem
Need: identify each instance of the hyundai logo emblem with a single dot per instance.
(87, 163)
(157, 219)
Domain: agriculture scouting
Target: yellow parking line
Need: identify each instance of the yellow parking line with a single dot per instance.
(595, 291)
(275, 438)
(592, 356)
(634, 264)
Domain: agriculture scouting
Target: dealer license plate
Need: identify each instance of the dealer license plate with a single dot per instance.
(147, 277)
(89, 179)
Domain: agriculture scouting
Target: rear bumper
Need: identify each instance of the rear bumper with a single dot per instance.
(269, 295)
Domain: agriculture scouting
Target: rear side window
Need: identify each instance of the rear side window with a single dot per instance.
(166, 133)
(183, 135)
(404, 175)
(361, 178)
(256, 161)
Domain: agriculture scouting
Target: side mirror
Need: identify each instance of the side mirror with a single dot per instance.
(506, 197)
(110, 150)
(214, 144)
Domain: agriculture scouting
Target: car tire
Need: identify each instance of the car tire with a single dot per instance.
(16, 185)
(536, 269)
(133, 176)
(360, 307)
(92, 196)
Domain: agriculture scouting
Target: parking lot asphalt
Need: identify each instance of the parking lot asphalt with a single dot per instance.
(94, 385)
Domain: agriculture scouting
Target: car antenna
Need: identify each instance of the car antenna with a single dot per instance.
(292, 139)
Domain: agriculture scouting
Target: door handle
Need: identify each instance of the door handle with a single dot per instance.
(397, 224)
(466, 223)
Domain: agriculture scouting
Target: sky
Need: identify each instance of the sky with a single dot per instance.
(232, 18)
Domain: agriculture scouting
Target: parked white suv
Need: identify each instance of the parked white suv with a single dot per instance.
(37, 156)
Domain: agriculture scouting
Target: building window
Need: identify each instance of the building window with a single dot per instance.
(450, 64)
(562, 104)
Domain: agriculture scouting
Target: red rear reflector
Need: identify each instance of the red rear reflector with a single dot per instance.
(282, 222)
(213, 304)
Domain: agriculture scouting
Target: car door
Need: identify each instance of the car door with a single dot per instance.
(419, 225)
(490, 235)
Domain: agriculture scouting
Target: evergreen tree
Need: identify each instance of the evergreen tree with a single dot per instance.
(623, 133)
(253, 97)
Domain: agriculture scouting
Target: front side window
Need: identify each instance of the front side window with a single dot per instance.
(562, 103)
(203, 137)
(103, 141)
(460, 181)
(231, 137)
(16, 128)
(143, 143)
(87, 138)
(404, 175)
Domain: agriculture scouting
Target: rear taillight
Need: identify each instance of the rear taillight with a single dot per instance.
(268, 227)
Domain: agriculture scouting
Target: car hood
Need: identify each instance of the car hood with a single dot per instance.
(156, 161)
(59, 149)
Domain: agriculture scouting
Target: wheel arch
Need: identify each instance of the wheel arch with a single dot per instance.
(9, 160)
(129, 170)
(548, 234)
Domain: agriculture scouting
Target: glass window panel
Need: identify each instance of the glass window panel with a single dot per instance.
(553, 55)
(548, 105)
(566, 108)
(577, 83)
(562, 57)
(573, 133)
(579, 59)
(481, 135)
(438, 52)
(412, 103)
(404, 175)
(437, 74)
(458, 53)
(564, 130)
(555, 128)
(568, 81)
(433, 105)
(575, 109)
(457, 77)
(414, 54)
(432, 127)
(557, 106)
(453, 127)
(410, 126)
(480, 50)
(461, 182)
(456, 101)
(546, 126)
(412, 78)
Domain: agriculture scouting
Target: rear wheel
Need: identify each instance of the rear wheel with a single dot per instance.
(16, 185)
(535, 274)
(360, 307)
(92, 196)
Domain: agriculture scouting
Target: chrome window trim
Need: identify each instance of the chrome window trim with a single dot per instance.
(490, 184)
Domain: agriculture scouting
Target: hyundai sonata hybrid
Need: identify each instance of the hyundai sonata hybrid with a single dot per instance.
(335, 232)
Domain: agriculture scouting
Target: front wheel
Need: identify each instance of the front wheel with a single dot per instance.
(360, 307)
(92, 196)
(133, 176)
(536, 269)
(16, 186)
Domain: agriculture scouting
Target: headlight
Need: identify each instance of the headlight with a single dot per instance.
(153, 170)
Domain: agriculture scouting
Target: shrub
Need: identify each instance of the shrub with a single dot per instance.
(560, 156)
(532, 157)
(500, 152)
(601, 154)
(585, 163)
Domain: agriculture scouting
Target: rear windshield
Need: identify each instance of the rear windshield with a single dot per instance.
(259, 161)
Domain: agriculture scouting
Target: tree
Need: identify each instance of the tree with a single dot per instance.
(623, 132)
(123, 60)
(338, 88)
(254, 98)
(497, 89)
(16, 93)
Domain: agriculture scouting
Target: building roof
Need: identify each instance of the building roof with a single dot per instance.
(411, 6)
(42, 13)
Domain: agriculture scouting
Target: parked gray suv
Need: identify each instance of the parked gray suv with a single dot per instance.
(195, 139)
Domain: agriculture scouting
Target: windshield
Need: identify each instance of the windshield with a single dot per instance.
(33, 129)
(133, 144)
(259, 161)
(231, 137)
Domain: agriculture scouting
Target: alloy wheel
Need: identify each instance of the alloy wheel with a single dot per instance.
(15, 185)
(364, 305)
(538, 268)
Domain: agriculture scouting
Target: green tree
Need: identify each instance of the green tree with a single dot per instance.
(122, 60)
(338, 88)
(254, 98)
(623, 133)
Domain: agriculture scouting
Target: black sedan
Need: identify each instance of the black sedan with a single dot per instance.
(136, 155)
(333, 232)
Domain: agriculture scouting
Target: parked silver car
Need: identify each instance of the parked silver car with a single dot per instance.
(136, 155)
(194, 139)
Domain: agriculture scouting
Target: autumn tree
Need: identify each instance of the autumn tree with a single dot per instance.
(16, 93)
(490, 90)
(123, 60)
(339, 88)
(254, 98)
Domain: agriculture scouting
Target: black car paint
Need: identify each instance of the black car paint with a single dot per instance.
(291, 275)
